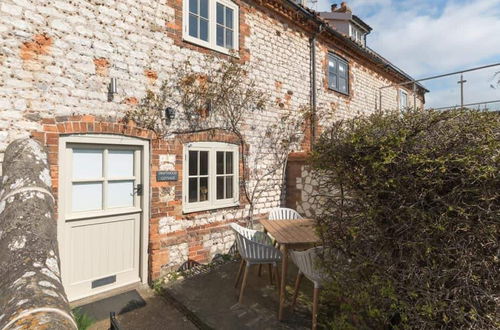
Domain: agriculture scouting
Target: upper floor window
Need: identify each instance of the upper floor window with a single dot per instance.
(212, 24)
(338, 74)
(356, 34)
(210, 176)
(403, 99)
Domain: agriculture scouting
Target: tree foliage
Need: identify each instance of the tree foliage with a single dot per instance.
(412, 200)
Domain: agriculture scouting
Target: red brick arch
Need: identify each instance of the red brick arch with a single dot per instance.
(53, 128)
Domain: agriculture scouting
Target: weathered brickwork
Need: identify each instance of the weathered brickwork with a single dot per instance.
(57, 59)
(303, 188)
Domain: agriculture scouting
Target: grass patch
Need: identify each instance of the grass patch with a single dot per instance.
(83, 321)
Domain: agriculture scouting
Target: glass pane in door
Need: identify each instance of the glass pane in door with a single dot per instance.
(120, 194)
(120, 163)
(87, 196)
(87, 164)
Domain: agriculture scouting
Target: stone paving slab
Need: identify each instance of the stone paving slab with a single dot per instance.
(156, 314)
(211, 296)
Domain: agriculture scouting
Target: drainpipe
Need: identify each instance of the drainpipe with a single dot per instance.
(312, 46)
(313, 101)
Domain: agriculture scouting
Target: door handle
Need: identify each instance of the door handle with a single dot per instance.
(138, 190)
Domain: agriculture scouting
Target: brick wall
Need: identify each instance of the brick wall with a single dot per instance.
(57, 59)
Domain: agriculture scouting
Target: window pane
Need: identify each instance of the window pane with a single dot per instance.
(343, 85)
(120, 194)
(203, 189)
(229, 163)
(220, 36)
(87, 164)
(87, 196)
(220, 14)
(193, 26)
(229, 186)
(404, 99)
(193, 163)
(220, 187)
(193, 190)
(229, 18)
(331, 64)
(193, 6)
(342, 69)
(220, 162)
(203, 29)
(203, 162)
(229, 39)
(332, 81)
(120, 163)
(204, 8)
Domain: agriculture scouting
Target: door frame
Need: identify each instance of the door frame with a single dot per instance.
(108, 139)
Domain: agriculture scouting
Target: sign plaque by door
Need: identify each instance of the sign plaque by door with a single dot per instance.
(162, 176)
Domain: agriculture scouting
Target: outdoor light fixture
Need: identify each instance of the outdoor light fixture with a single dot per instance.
(169, 114)
(112, 89)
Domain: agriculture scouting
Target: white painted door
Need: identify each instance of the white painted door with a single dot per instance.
(100, 247)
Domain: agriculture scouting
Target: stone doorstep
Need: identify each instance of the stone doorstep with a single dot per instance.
(107, 294)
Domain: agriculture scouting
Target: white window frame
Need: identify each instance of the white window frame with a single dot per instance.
(212, 202)
(212, 24)
(401, 93)
(356, 33)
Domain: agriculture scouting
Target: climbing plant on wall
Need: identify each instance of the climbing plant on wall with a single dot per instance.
(222, 95)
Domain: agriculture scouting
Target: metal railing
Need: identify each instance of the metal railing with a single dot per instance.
(470, 105)
(113, 322)
(416, 83)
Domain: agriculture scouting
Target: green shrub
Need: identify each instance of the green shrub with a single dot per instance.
(416, 211)
(83, 321)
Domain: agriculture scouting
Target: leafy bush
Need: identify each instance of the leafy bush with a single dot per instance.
(415, 208)
(83, 321)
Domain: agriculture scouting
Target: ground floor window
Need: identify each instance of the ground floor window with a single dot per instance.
(210, 176)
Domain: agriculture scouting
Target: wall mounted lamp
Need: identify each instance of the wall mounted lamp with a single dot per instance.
(169, 114)
(112, 89)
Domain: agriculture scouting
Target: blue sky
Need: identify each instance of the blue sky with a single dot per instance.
(430, 37)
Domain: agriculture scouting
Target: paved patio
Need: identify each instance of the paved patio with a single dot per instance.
(211, 299)
(206, 299)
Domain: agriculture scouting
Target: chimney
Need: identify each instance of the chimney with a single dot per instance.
(333, 7)
(343, 8)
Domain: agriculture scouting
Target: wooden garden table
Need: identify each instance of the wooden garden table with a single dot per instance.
(290, 234)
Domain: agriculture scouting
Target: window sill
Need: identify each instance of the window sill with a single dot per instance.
(193, 41)
(338, 92)
(194, 209)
